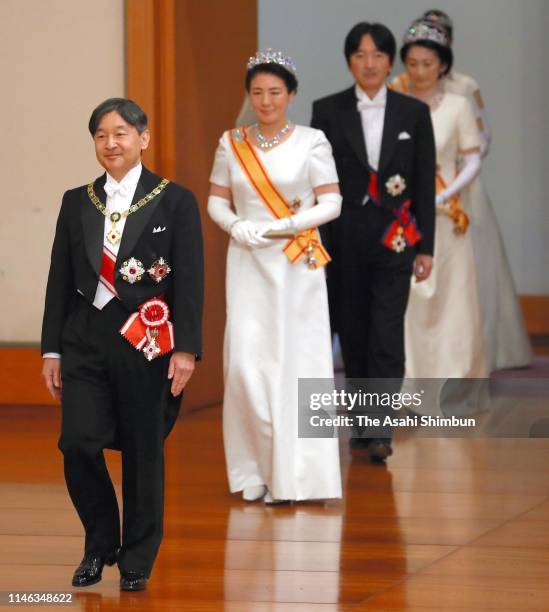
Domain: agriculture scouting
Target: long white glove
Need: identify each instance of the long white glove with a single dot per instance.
(485, 136)
(220, 211)
(470, 169)
(328, 207)
(250, 234)
(246, 233)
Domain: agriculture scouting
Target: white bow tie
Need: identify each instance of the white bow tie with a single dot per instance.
(366, 104)
(112, 188)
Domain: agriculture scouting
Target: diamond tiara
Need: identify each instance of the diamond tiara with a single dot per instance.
(441, 19)
(270, 56)
(423, 30)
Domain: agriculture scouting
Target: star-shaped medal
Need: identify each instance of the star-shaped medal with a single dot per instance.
(159, 270)
(132, 270)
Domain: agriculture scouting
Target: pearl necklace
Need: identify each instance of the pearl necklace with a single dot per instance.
(269, 143)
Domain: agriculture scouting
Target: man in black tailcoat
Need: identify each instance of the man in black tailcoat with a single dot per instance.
(120, 336)
(384, 150)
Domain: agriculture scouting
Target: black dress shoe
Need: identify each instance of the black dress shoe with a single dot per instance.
(379, 450)
(133, 581)
(91, 568)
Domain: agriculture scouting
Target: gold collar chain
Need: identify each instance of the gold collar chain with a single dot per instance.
(114, 235)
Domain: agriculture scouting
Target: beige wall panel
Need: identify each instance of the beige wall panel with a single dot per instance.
(58, 60)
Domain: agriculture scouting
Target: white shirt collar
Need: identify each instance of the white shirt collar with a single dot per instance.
(130, 179)
(379, 98)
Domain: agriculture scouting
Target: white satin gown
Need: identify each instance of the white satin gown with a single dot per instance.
(443, 324)
(506, 340)
(277, 330)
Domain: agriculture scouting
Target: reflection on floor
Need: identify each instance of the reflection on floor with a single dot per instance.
(449, 524)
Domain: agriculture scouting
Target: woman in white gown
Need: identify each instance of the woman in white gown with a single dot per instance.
(279, 178)
(443, 325)
(506, 341)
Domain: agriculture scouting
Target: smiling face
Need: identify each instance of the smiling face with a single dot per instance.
(269, 98)
(424, 67)
(118, 145)
(369, 66)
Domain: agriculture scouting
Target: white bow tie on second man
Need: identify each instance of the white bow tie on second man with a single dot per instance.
(366, 104)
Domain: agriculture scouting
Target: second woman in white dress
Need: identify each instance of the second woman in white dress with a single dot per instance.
(443, 325)
(506, 340)
(275, 177)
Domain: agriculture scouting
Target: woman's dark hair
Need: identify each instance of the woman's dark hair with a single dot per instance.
(445, 54)
(441, 19)
(381, 35)
(288, 77)
(127, 109)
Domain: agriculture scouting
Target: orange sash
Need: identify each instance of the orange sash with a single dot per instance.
(306, 243)
(457, 214)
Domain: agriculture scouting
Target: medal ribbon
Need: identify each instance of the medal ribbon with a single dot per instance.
(373, 187)
(149, 329)
(404, 225)
(306, 242)
(106, 274)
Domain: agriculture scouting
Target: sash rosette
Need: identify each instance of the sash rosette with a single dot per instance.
(149, 329)
(403, 230)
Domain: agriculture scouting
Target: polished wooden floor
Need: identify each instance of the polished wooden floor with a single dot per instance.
(449, 525)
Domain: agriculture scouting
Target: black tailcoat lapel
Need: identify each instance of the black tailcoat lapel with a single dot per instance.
(352, 125)
(390, 131)
(93, 224)
(136, 222)
(93, 221)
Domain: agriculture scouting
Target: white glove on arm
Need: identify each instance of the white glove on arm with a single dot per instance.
(250, 234)
(471, 168)
(485, 141)
(246, 233)
(221, 212)
(327, 208)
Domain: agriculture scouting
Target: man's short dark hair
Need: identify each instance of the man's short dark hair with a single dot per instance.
(131, 112)
(381, 35)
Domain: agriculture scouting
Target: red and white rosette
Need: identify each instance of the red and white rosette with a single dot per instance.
(149, 329)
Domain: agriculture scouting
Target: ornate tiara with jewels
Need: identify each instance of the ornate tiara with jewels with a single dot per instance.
(438, 17)
(270, 56)
(424, 30)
